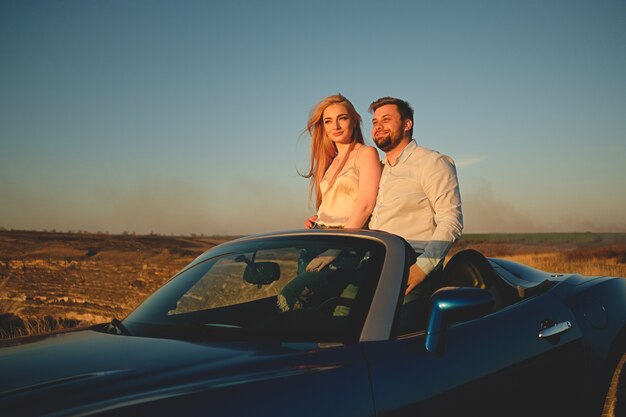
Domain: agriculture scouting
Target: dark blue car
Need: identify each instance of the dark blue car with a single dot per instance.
(498, 338)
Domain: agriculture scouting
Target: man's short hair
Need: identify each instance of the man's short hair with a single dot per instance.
(404, 108)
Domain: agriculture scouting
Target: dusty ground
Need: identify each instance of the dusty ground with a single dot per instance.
(90, 278)
(86, 278)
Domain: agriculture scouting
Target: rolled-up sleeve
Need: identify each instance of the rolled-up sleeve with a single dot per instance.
(441, 186)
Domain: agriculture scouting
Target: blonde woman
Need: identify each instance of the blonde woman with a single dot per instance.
(344, 175)
(344, 172)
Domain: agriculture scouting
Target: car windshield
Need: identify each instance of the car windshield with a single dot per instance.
(261, 290)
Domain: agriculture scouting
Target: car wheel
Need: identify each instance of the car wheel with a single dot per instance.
(615, 401)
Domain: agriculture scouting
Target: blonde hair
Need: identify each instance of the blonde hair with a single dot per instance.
(323, 150)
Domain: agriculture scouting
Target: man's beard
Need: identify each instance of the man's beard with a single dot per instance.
(388, 142)
(384, 143)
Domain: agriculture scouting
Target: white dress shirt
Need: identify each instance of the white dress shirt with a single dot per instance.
(419, 199)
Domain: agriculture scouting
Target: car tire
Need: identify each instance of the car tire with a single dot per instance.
(615, 399)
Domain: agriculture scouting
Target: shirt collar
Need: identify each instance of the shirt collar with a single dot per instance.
(406, 152)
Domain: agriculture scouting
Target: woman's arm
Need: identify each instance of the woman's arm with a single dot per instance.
(368, 165)
(369, 169)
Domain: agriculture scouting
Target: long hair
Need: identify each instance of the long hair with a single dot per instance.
(323, 150)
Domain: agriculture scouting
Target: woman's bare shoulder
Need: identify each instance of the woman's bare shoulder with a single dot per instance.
(366, 152)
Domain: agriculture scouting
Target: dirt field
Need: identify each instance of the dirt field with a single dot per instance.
(50, 280)
(47, 278)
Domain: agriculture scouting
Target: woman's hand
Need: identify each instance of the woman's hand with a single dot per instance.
(308, 223)
(322, 260)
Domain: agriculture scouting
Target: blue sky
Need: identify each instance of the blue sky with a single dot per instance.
(186, 116)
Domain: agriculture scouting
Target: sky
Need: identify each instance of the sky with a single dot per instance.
(180, 117)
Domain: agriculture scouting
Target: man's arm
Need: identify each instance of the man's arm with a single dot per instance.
(441, 186)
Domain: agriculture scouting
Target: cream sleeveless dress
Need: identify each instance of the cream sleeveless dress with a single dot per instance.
(338, 200)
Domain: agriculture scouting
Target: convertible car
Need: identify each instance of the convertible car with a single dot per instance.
(218, 339)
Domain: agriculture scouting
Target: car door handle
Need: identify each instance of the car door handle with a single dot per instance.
(555, 329)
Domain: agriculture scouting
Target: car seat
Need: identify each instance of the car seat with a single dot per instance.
(470, 268)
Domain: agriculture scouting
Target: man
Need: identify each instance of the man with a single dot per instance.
(418, 196)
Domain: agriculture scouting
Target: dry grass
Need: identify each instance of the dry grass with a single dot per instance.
(55, 280)
(52, 280)
(562, 263)
(602, 254)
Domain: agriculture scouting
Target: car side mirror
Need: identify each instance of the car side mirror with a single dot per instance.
(261, 273)
(451, 305)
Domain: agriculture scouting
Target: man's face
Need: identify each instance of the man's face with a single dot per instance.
(388, 129)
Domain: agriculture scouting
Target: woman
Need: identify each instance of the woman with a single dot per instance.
(344, 175)
(344, 172)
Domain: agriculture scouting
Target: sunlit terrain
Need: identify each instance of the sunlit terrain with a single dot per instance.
(55, 280)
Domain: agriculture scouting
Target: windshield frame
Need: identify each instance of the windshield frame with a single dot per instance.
(148, 318)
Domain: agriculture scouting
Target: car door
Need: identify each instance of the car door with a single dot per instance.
(494, 365)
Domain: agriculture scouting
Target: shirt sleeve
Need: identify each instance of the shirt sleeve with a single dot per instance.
(441, 186)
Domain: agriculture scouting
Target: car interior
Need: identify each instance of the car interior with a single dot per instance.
(337, 316)
(467, 268)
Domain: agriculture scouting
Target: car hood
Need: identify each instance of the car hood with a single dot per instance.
(84, 371)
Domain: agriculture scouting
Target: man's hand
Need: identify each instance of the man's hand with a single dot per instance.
(308, 223)
(320, 261)
(416, 276)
